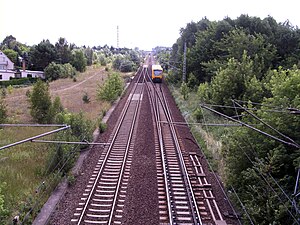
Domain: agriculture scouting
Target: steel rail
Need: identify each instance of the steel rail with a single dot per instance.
(120, 122)
(193, 202)
(194, 206)
(125, 156)
(163, 159)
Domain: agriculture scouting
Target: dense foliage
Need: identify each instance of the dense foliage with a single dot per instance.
(250, 60)
(112, 88)
(42, 109)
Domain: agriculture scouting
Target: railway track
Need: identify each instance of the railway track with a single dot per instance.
(103, 199)
(185, 196)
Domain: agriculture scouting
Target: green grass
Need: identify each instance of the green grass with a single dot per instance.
(21, 167)
(209, 138)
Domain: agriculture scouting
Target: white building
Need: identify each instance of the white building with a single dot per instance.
(30, 73)
(6, 67)
(6, 74)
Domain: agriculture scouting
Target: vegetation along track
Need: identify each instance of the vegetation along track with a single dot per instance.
(103, 199)
(185, 196)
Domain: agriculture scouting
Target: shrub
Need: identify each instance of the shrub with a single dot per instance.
(117, 63)
(184, 90)
(10, 89)
(18, 81)
(102, 127)
(126, 66)
(79, 61)
(3, 92)
(69, 71)
(80, 127)
(71, 179)
(54, 71)
(85, 98)
(112, 88)
(40, 103)
(3, 111)
(3, 211)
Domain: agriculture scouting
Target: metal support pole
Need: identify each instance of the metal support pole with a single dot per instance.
(184, 64)
(35, 137)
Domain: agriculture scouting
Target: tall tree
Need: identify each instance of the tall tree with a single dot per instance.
(63, 51)
(79, 61)
(40, 103)
(41, 55)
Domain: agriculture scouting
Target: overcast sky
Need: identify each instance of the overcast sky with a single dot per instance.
(143, 24)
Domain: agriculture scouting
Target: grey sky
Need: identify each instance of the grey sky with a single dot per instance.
(143, 24)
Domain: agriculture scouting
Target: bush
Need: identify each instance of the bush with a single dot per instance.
(102, 127)
(3, 92)
(3, 111)
(40, 103)
(86, 98)
(3, 211)
(184, 90)
(117, 63)
(111, 89)
(69, 71)
(80, 127)
(126, 66)
(79, 61)
(54, 71)
(18, 81)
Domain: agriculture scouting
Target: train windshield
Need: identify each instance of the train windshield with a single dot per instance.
(157, 72)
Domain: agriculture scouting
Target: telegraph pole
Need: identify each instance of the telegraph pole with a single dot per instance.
(117, 36)
(184, 64)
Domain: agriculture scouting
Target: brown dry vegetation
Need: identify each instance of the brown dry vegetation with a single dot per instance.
(70, 93)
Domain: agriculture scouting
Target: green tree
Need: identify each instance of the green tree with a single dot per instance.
(54, 71)
(64, 51)
(41, 55)
(9, 42)
(79, 61)
(88, 52)
(12, 55)
(112, 88)
(253, 159)
(40, 103)
(230, 82)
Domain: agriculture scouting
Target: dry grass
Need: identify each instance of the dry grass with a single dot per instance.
(22, 166)
(70, 93)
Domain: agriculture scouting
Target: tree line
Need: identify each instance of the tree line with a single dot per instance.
(63, 59)
(255, 63)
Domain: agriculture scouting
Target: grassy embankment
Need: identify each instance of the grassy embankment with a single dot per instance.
(209, 138)
(22, 167)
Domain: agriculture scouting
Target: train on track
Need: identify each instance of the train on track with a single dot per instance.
(157, 73)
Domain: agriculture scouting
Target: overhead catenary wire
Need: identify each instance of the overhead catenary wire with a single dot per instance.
(272, 128)
(268, 174)
(45, 182)
(243, 206)
(251, 127)
(272, 189)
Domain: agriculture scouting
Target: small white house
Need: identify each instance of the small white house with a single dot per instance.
(6, 74)
(6, 67)
(30, 73)
(5, 62)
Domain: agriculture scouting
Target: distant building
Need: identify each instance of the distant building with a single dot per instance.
(6, 67)
(30, 73)
(7, 70)
(5, 62)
